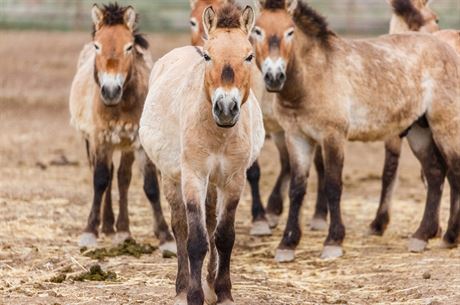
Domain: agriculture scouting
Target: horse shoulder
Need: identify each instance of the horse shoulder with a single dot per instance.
(258, 130)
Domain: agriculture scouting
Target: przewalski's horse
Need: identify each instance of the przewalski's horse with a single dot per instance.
(203, 128)
(416, 15)
(333, 94)
(262, 221)
(106, 101)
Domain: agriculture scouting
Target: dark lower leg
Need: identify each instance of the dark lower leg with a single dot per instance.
(211, 201)
(333, 166)
(453, 228)
(124, 179)
(197, 247)
(321, 199)
(152, 191)
(275, 201)
(389, 175)
(225, 239)
(253, 176)
(297, 190)
(108, 218)
(101, 180)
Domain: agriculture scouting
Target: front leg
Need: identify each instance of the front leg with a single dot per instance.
(333, 155)
(260, 225)
(300, 150)
(224, 237)
(194, 188)
(319, 220)
(101, 180)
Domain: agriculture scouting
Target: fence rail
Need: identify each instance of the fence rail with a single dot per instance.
(345, 16)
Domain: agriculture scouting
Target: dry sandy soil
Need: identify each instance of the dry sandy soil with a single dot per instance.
(43, 208)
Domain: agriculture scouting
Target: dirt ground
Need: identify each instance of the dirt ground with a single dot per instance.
(43, 208)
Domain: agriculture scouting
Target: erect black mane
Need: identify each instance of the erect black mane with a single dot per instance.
(113, 14)
(311, 23)
(274, 4)
(411, 15)
(228, 16)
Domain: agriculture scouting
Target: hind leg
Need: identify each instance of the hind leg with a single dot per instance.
(433, 165)
(319, 220)
(389, 177)
(260, 225)
(450, 238)
(211, 221)
(152, 191)
(173, 194)
(275, 201)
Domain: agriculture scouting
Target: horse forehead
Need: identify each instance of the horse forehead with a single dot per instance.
(276, 21)
(117, 36)
(233, 43)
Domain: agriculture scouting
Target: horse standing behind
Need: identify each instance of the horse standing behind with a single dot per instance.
(203, 127)
(332, 94)
(106, 101)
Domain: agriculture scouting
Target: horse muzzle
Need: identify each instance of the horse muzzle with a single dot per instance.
(226, 107)
(111, 95)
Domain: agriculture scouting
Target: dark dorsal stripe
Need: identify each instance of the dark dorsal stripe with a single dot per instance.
(274, 42)
(274, 4)
(228, 75)
(311, 23)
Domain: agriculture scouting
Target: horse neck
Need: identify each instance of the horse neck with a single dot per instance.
(308, 65)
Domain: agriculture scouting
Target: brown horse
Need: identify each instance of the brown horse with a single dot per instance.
(331, 93)
(106, 100)
(203, 127)
(272, 127)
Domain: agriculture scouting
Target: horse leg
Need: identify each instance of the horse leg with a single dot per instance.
(173, 194)
(260, 225)
(434, 167)
(389, 178)
(333, 150)
(300, 152)
(108, 218)
(152, 191)
(124, 179)
(275, 201)
(194, 192)
(450, 238)
(101, 180)
(319, 220)
(211, 219)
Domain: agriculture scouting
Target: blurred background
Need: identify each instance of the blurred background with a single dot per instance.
(356, 17)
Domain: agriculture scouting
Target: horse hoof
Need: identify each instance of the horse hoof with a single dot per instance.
(331, 252)
(169, 246)
(375, 232)
(87, 240)
(447, 245)
(260, 228)
(416, 245)
(284, 255)
(210, 296)
(120, 237)
(273, 220)
(226, 302)
(318, 224)
(181, 299)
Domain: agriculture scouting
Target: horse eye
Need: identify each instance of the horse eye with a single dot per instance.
(258, 32)
(96, 47)
(249, 58)
(192, 23)
(289, 34)
(128, 49)
(206, 57)
(437, 21)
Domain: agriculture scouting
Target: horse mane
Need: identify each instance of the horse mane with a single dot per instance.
(311, 23)
(228, 16)
(409, 13)
(274, 4)
(114, 15)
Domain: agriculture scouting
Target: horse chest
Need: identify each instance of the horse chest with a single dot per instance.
(119, 133)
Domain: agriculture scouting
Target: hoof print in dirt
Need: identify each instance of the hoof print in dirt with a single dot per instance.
(95, 273)
(128, 247)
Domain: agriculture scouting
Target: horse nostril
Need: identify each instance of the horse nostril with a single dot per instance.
(234, 107)
(218, 107)
(281, 77)
(267, 77)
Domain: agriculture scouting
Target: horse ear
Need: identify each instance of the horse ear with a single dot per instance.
(291, 5)
(130, 18)
(97, 16)
(209, 20)
(193, 4)
(247, 20)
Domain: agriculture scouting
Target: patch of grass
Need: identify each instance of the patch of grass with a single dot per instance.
(95, 273)
(128, 247)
